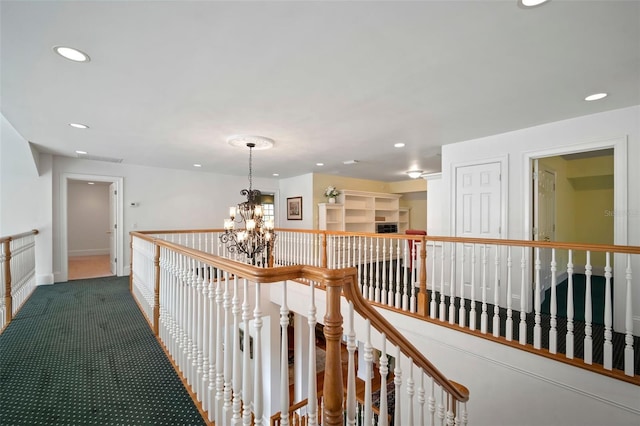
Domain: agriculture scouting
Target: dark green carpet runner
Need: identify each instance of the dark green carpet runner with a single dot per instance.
(81, 353)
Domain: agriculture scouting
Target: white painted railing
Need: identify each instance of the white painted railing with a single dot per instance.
(214, 318)
(506, 289)
(17, 273)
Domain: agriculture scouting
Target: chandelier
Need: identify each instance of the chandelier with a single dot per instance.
(246, 231)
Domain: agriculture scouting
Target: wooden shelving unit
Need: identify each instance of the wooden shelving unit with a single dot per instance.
(359, 211)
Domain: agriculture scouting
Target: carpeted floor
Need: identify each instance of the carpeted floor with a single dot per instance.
(81, 353)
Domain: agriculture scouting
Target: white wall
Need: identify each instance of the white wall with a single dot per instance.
(25, 195)
(435, 194)
(518, 145)
(88, 219)
(168, 199)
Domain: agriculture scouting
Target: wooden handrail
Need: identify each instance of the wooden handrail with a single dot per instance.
(18, 236)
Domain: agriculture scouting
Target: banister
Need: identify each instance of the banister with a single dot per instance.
(18, 236)
(8, 298)
(379, 322)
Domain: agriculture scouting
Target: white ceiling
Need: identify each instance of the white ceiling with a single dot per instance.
(168, 82)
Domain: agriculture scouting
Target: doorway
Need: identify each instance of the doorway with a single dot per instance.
(110, 228)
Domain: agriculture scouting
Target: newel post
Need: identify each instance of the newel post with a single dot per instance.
(333, 387)
(7, 282)
(156, 291)
(423, 299)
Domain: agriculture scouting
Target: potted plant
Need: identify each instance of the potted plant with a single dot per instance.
(331, 193)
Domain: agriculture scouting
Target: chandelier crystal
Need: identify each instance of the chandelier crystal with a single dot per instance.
(246, 231)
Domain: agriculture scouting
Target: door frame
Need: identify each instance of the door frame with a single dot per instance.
(620, 202)
(64, 229)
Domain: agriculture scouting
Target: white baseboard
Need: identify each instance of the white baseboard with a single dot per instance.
(45, 279)
(88, 252)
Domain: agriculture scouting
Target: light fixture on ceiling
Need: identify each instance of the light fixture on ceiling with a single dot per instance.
(596, 97)
(71, 54)
(319, 164)
(532, 3)
(276, 174)
(81, 152)
(398, 145)
(414, 174)
(197, 165)
(255, 238)
(350, 162)
(78, 126)
(91, 183)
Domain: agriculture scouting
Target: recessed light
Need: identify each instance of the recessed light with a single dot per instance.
(78, 125)
(398, 145)
(349, 162)
(197, 165)
(81, 152)
(532, 3)
(414, 174)
(90, 183)
(71, 54)
(276, 174)
(320, 164)
(595, 97)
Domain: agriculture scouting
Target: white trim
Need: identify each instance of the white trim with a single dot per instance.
(45, 279)
(64, 255)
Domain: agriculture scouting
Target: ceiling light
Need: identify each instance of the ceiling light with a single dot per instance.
(532, 3)
(414, 174)
(595, 97)
(81, 152)
(320, 164)
(71, 54)
(90, 183)
(78, 125)
(349, 162)
(398, 145)
(276, 174)
(197, 165)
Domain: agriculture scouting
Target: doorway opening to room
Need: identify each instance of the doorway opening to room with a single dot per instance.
(91, 234)
(573, 196)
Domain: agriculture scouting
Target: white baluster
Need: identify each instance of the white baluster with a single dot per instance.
(312, 403)
(553, 332)
(441, 407)
(432, 403)
(523, 302)
(450, 418)
(462, 312)
(628, 322)
(410, 392)
(570, 309)
(371, 279)
(399, 263)
(432, 304)
(383, 290)
(228, 345)
(509, 325)
(384, 370)
(219, 347)
(284, 358)
(442, 306)
(257, 357)
(537, 330)
(247, 393)
(452, 286)
(377, 290)
(588, 316)
(608, 320)
(368, 360)
(496, 295)
(484, 317)
(408, 255)
(397, 381)
(421, 399)
(351, 373)
(472, 309)
(237, 358)
(213, 342)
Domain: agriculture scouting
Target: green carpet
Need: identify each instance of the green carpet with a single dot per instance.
(81, 353)
(579, 292)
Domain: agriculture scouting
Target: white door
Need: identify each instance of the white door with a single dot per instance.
(478, 215)
(544, 218)
(113, 226)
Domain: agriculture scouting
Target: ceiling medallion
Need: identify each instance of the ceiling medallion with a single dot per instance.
(259, 142)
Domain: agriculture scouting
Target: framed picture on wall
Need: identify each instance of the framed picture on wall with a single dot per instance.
(294, 208)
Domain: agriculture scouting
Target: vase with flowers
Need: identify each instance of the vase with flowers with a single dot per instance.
(331, 193)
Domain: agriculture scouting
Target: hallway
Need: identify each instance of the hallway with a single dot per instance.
(82, 353)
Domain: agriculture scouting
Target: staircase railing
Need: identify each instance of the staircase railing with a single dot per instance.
(17, 273)
(210, 315)
(554, 299)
